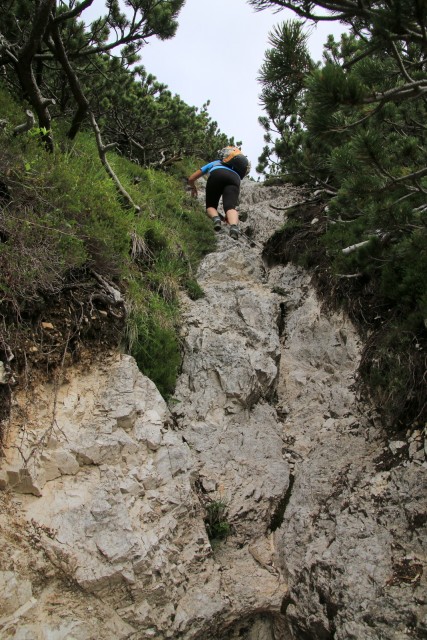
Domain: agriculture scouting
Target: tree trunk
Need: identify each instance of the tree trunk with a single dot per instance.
(75, 86)
(25, 71)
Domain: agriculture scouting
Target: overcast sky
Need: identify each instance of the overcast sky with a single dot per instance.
(216, 55)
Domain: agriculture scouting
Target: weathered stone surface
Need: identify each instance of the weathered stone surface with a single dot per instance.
(230, 369)
(15, 592)
(353, 537)
(102, 525)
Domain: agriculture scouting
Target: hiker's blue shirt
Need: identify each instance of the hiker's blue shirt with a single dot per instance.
(216, 164)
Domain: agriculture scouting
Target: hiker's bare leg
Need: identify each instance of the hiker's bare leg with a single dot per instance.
(232, 216)
(211, 212)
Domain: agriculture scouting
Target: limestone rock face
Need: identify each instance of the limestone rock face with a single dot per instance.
(232, 352)
(352, 540)
(127, 526)
(109, 494)
(353, 537)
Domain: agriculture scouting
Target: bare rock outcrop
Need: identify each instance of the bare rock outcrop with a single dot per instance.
(107, 491)
(352, 541)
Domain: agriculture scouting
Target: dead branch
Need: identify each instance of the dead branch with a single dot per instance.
(102, 151)
(295, 204)
(349, 276)
(26, 126)
(354, 247)
(113, 292)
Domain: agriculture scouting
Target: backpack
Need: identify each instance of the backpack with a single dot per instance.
(233, 158)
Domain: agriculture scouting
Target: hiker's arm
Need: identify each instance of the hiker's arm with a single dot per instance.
(191, 181)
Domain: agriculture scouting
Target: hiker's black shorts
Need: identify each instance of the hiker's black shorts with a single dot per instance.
(225, 183)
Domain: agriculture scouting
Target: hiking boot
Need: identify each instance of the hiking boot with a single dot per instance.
(234, 232)
(216, 223)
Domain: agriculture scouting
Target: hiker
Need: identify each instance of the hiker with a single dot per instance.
(224, 179)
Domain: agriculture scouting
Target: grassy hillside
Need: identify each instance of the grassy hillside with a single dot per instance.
(80, 271)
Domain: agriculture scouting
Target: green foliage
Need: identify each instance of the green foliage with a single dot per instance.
(10, 109)
(217, 526)
(282, 76)
(394, 381)
(152, 126)
(360, 135)
(74, 65)
(68, 223)
(172, 236)
(156, 346)
(403, 277)
(54, 51)
(194, 290)
(65, 222)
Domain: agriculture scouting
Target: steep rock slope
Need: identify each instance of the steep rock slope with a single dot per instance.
(352, 541)
(106, 490)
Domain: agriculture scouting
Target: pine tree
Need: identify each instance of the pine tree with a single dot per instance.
(45, 46)
(282, 77)
(149, 124)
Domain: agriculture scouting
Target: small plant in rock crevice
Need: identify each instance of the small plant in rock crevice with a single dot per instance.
(217, 527)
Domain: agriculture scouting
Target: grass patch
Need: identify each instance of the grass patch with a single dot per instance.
(156, 345)
(63, 231)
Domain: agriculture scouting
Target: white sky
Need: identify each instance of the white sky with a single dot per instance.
(216, 55)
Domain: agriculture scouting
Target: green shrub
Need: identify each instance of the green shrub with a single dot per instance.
(156, 346)
(63, 220)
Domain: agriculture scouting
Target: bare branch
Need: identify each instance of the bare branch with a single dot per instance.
(403, 92)
(294, 204)
(26, 126)
(354, 247)
(78, 9)
(108, 168)
(400, 63)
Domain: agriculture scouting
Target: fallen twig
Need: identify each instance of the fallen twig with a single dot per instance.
(295, 204)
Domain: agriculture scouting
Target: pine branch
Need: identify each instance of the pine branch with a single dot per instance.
(411, 176)
(73, 13)
(350, 12)
(368, 52)
(357, 122)
(303, 13)
(327, 187)
(400, 63)
(402, 199)
(404, 92)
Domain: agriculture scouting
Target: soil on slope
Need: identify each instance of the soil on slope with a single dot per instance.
(74, 326)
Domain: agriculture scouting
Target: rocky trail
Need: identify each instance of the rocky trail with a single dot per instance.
(316, 522)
